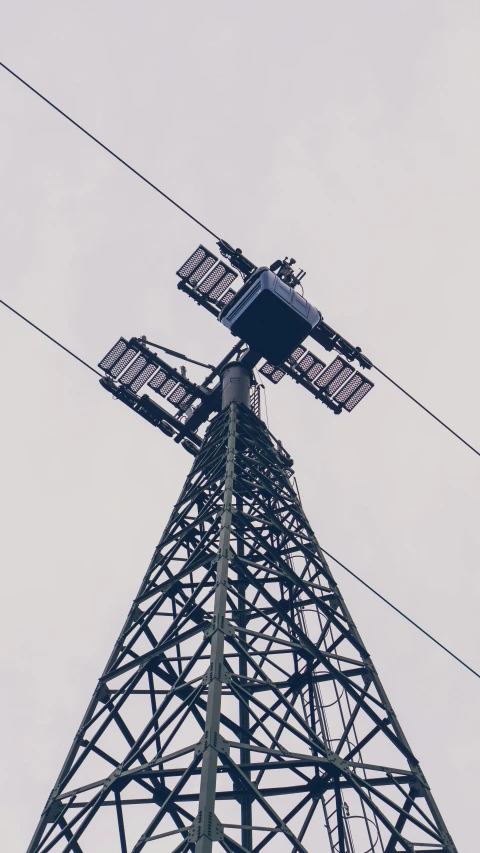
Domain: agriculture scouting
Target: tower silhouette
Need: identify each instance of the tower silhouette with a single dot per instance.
(239, 705)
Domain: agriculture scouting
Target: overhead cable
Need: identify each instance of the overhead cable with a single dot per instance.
(401, 613)
(109, 150)
(442, 423)
(350, 572)
(54, 340)
(205, 228)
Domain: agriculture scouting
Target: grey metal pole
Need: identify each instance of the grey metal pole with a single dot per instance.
(236, 381)
(207, 824)
(244, 715)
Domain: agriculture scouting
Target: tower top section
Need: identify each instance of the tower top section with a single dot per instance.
(271, 321)
(236, 382)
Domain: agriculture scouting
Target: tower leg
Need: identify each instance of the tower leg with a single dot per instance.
(216, 671)
(240, 705)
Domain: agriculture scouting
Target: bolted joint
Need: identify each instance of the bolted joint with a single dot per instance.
(135, 613)
(417, 788)
(317, 787)
(219, 623)
(113, 777)
(217, 671)
(332, 600)
(337, 762)
(224, 553)
(213, 739)
(53, 810)
(244, 794)
(104, 694)
(368, 673)
(206, 824)
(447, 841)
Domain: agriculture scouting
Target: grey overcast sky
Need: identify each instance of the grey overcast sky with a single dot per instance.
(346, 134)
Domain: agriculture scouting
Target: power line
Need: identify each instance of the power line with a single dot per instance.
(397, 610)
(350, 572)
(77, 357)
(109, 150)
(205, 228)
(425, 409)
(54, 340)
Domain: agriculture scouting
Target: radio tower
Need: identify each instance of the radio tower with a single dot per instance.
(239, 706)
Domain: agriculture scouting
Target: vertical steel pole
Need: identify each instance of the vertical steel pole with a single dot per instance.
(243, 713)
(236, 381)
(235, 389)
(208, 782)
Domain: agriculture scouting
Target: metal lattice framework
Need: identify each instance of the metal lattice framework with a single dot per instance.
(239, 705)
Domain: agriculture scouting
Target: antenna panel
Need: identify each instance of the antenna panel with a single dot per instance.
(226, 298)
(142, 377)
(334, 385)
(275, 374)
(296, 354)
(207, 280)
(310, 366)
(157, 381)
(354, 396)
(197, 265)
(113, 355)
(133, 371)
(122, 363)
(133, 367)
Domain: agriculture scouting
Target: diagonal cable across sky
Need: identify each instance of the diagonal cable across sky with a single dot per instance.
(209, 231)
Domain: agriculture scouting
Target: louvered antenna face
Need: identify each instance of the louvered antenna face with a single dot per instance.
(133, 366)
(207, 280)
(338, 385)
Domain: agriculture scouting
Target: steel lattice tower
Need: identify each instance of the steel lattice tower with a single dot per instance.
(240, 705)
